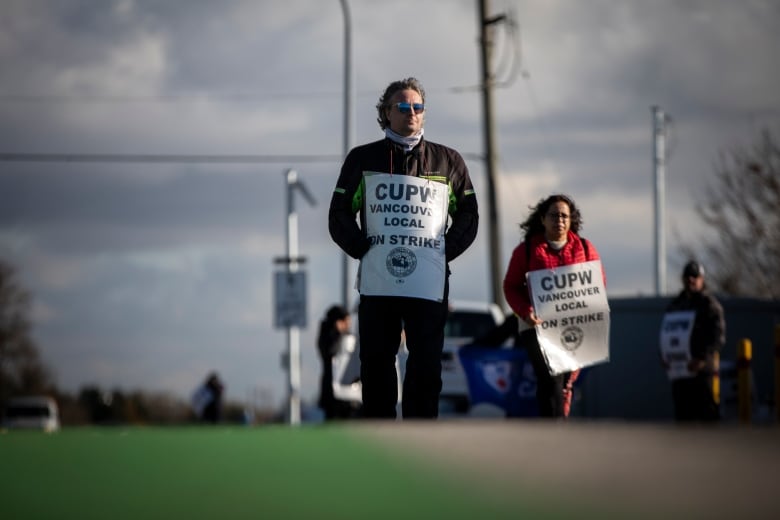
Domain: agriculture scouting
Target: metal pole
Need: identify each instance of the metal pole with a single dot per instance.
(486, 46)
(348, 111)
(744, 382)
(293, 331)
(659, 168)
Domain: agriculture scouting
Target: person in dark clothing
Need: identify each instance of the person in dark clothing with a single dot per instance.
(336, 323)
(694, 399)
(207, 399)
(417, 212)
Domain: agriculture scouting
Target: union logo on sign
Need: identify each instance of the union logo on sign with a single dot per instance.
(401, 262)
(571, 338)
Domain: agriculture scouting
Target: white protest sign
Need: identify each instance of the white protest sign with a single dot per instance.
(406, 218)
(572, 301)
(676, 341)
(346, 369)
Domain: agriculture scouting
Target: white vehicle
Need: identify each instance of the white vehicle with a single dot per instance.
(32, 412)
(466, 320)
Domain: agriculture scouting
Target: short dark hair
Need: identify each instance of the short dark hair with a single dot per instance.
(392, 88)
(335, 313)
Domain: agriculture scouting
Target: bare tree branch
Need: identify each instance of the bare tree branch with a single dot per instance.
(742, 207)
(21, 369)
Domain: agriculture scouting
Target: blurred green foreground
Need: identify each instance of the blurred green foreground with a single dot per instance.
(229, 472)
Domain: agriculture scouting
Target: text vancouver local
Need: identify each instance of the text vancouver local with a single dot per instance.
(569, 292)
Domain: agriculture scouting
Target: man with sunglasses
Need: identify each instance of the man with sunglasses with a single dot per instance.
(417, 212)
(699, 315)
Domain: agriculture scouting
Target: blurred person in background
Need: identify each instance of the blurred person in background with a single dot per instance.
(336, 323)
(207, 399)
(694, 399)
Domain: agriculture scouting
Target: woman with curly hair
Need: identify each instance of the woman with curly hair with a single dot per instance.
(551, 240)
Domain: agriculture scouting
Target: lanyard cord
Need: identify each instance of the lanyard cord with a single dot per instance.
(421, 162)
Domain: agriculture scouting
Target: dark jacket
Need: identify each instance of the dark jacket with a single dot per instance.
(427, 160)
(327, 345)
(709, 327)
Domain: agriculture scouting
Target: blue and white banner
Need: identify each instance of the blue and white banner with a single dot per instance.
(502, 377)
(406, 218)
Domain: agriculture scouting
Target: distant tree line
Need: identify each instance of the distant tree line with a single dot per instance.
(23, 372)
(21, 368)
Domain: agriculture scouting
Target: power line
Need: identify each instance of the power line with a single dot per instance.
(182, 97)
(166, 158)
(181, 158)
(176, 97)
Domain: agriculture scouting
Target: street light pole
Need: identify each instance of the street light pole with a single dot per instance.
(348, 110)
(659, 173)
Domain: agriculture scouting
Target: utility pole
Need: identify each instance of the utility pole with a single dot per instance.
(659, 172)
(488, 80)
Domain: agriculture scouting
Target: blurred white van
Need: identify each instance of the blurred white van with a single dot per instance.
(32, 412)
(466, 321)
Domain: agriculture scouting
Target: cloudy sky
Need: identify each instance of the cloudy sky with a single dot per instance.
(150, 274)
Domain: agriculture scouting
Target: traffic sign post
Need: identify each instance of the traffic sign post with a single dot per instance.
(290, 292)
(290, 295)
